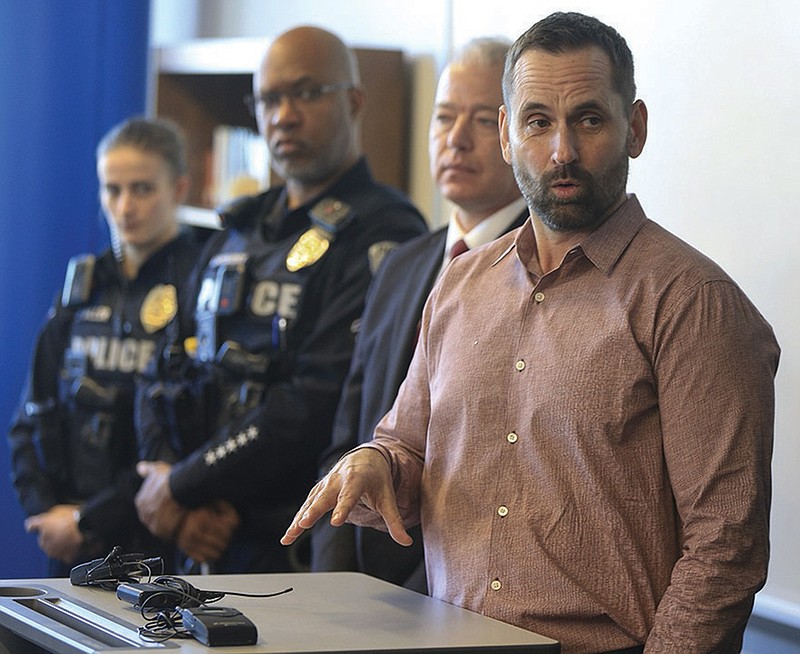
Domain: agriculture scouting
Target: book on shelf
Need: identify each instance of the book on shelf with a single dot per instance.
(240, 164)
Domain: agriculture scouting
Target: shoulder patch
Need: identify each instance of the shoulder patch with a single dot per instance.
(376, 253)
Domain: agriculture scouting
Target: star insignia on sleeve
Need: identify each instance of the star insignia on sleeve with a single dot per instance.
(233, 443)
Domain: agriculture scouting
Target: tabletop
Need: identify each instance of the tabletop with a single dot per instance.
(334, 612)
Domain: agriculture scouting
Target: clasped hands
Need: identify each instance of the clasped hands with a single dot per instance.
(202, 533)
(57, 532)
(363, 476)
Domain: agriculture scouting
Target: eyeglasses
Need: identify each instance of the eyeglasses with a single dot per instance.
(303, 96)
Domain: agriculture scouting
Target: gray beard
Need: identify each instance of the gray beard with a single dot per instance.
(586, 210)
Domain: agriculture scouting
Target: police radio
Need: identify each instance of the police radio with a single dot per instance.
(220, 295)
(78, 283)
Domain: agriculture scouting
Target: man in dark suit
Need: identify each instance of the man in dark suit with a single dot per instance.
(467, 164)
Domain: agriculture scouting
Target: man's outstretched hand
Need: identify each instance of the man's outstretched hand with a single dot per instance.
(361, 476)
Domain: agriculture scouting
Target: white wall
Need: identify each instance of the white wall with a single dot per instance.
(720, 168)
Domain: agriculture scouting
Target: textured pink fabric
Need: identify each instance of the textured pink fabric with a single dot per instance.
(589, 450)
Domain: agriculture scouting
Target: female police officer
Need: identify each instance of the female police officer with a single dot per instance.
(72, 439)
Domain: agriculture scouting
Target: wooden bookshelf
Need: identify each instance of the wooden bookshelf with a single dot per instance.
(202, 84)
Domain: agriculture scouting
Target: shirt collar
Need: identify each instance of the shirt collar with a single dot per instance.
(284, 221)
(603, 247)
(485, 231)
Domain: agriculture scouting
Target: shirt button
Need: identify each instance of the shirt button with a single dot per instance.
(539, 297)
(512, 437)
(496, 585)
(520, 365)
(502, 511)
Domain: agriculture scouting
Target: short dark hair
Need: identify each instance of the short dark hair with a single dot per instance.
(156, 135)
(568, 31)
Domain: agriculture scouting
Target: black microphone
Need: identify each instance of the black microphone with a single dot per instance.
(116, 567)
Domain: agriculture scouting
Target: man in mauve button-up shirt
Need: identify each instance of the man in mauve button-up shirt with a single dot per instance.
(585, 432)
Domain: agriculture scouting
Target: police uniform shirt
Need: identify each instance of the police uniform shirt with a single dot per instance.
(301, 320)
(73, 438)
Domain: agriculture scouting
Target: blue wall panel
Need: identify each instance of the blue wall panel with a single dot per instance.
(68, 72)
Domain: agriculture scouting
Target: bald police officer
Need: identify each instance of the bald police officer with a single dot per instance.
(280, 294)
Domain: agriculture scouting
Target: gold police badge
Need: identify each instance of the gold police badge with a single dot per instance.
(328, 217)
(308, 249)
(159, 307)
